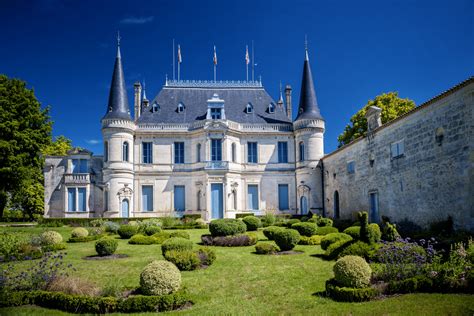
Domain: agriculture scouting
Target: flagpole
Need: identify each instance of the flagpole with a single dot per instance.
(178, 69)
(179, 60)
(214, 59)
(247, 60)
(173, 62)
(253, 64)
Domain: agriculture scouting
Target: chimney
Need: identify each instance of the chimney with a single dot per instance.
(138, 101)
(289, 109)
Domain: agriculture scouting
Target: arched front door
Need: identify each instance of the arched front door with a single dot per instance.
(336, 204)
(304, 205)
(125, 208)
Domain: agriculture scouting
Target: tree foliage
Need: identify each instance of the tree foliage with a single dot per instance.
(25, 130)
(392, 107)
(59, 147)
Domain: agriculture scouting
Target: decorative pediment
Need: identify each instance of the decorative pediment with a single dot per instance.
(216, 125)
(303, 189)
(125, 191)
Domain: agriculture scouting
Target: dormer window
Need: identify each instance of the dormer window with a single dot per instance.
(215, 114)
(249, 108)
(271, 108)
(180, 107)
(155, 107)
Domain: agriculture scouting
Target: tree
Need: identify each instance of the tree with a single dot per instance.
(59, 147)
(392, 107)
(25, 130)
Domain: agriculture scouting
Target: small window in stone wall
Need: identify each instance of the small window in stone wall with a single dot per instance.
(351, 167)
(439, 136)
(397, 149)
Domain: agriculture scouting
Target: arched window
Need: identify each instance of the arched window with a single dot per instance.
(249, 108)
(198, 153)
(304, 205)
(301, 145)
(198, 200)
(125, 151)
(180, 107)
(336, 204)
(234, 195)
(234, 152)
(271, 108)
(106, 151)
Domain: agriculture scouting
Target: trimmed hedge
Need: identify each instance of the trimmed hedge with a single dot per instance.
(305, 229)
(265, 248)
(161, 236)
(330, 239)
(373, 233)
(326, 230)
(127, 231)
(176, 243)
(180, 234)
(347, 294)
(253, 223)
(140, 239)
(242, 215)
(106, 246)
(333, 251)
(95, 305)
(268, 220)
(287, 239)
(358, 248)
(206, 255)
(353, 231)
(310, 241)
(85, 239)
(240, 240)
(185, 260)
(291, 222)
(227, 227)
(411, 285)
(270, 231)
(151, 230)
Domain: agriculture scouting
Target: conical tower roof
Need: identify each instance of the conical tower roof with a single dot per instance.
(118, 107)
(308, 107)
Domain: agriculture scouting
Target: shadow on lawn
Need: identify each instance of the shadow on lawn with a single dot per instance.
(321, 256)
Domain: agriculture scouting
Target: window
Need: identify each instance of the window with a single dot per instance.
(106, 201)
(216, 149)
(252, 152)
(252, 196)
(301, 148)
(147, 156)
(271, 108)
(283, 197)
(178, 152)
(215, 114)
(180, 107)
(79, 166)
(147, 198)
(282, 152)
(106, 151)
(336, 204)
(125, 151)
(351, 167)
(249, 108)
(179, 198)
(397, 149)
(198, 153)
(155, 107)
(234, 158)
(76, 199)
(198, 197)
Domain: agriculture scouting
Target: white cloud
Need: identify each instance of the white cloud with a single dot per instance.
(137, 20)
(93, 141)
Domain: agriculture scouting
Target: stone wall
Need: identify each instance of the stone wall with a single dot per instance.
(433, 178)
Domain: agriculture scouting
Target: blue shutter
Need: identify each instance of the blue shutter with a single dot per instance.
(179, 198)
(252, 197)
(81, 199)
(283, 197)
(147, 198)
(71, 199)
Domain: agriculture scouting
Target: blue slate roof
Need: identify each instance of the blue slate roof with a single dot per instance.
(308, 107)
(194, 97)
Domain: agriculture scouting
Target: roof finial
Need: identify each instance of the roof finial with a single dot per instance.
(118, 44)
(306, 46)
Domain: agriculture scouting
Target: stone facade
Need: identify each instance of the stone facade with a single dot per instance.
(419, 166)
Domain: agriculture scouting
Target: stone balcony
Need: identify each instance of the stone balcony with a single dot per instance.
(77, 178)
(217, 165)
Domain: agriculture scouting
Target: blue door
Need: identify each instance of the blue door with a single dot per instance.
(304, 205)
(374, 207)
(125, 208)
(252, 197)
(179, 198)
(283, 204)
(217, 201)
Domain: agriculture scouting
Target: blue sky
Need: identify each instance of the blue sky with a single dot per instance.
(65, 50)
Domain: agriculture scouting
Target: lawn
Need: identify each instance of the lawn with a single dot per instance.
(241, 282)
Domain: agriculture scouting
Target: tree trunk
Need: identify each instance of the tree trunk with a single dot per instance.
(3, 202)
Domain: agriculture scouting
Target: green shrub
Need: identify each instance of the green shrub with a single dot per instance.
(206, 255)
(418, 283)
(287, 239)
(185, 260)
(127, 231)
(324, 222)
(389, 232)
(305, 229)
(176, 243)
(268, 219)
(359, 248)
(373, 233)
(265, 248)
(106, 246)
(291, 222)
(140, 239)
(270, 231)
(349, 294)
(352, 271)
(326, 230)
(160, 278)
(311, 241)
(253, 238)
(329, 239)
(51, 237)
(229, 241)
(364, 226)
(79, 232)
(333, 251)
(95, 231)
(180, 234)
(242, 215)
(353, 231)
(253, 223)
(227, 227)
(111, 227)
(151, 230)
(55, 247)
(10, 244)
(161, 236)
(134, 223)
(84, 239)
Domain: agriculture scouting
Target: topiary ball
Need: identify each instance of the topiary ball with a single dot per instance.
(270, 231)
(160, 278)
(227, 227)
(106, 246)
(79, 232)
(253, 223)
(352, 271)
(176, 243)
(151, 230)
(51, 237)
(305, 229)
(287, 239)
(127, 231)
